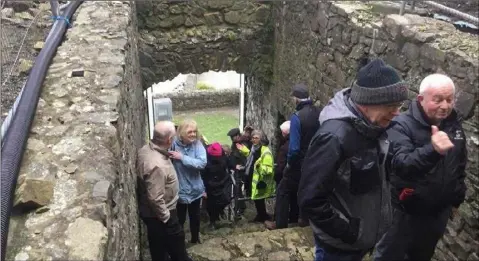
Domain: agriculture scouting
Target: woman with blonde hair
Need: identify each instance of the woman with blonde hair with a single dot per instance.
(189, 158)
(259, 170)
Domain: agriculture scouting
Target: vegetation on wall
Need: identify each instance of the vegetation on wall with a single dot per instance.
(204, 86)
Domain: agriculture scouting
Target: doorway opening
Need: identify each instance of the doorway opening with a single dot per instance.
(215, 100)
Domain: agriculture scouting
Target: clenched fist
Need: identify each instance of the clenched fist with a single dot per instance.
(440, 140)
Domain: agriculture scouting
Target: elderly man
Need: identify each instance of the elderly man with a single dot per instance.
(286, 204)
(429, 159)
(344, 190)
(158, 194)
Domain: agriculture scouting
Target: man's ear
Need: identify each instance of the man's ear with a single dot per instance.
(420, 97)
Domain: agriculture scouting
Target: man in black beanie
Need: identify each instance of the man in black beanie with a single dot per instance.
(343, 188)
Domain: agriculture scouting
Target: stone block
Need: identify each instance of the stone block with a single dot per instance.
(394, 23)
(470, 215)
(7, 13)
(219, 4)
(102, 190)
(86, 239)
(279, 255)
(232, 17)
(460, 249)
(411, 51)
(473, 257)
(465, 103)
(24, 67)
(33, 193)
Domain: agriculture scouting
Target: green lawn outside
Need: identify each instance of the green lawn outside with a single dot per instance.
(213, 125)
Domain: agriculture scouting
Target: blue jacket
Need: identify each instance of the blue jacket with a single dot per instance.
(295, 134)
(188, 170)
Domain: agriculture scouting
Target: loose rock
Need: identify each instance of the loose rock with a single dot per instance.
(86, 239)
(33, 193)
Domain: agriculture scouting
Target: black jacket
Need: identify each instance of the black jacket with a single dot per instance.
(281, 159)
(438, 181)
(216, 178)
(344, 187)
(306, 115)
(236, 158)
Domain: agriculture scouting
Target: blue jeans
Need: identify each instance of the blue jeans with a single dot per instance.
(322, 255)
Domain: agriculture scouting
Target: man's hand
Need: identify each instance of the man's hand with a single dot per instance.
(175, 155)
(204, 195)
(440, 140)
(239, 146)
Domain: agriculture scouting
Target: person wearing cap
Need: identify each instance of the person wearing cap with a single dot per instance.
(237, 159)
(428, 172)
(303, 125)
(216, 179)
(344, 189)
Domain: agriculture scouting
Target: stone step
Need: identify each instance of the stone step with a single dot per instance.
(282, 244)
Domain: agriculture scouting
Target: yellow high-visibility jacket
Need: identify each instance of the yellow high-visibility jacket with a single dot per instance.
(263, 171)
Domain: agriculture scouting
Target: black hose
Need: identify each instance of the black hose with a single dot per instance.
(17, 134)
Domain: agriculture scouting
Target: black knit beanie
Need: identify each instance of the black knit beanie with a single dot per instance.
(378, 83)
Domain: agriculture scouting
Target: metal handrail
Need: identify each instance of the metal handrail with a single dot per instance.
(444, 8)
(453, 11)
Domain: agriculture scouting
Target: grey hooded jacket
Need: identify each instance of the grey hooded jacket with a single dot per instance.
(344, 189)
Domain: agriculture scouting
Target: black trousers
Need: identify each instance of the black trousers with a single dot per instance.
(261, 214)
(214, 209)
(286, 208)
(241, 178)
(166, 239)
(412, 237)
(193, 210)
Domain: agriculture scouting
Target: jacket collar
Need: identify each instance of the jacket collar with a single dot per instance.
(162, 151)
(361, 123)
(303, 103)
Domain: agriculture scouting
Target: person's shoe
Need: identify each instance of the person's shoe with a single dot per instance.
(213, 226)
(196, 241)
(261, 219)
(270, 225)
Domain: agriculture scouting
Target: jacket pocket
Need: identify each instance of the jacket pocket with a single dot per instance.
(421, 201)
(364, 174)
(354, 231)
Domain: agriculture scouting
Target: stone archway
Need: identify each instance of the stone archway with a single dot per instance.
(198, 36)
(201, 35)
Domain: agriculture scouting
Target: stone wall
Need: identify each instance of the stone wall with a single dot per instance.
(76, 191)
(202, 99)
(201, 35)
(322, 44)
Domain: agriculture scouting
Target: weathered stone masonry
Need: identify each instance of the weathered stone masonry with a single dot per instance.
(79, 167)
(320, 44)
(80, 160)
(198, 36)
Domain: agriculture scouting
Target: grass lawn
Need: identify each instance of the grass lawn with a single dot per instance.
(212, 124)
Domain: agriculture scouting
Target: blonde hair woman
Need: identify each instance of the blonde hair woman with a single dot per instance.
(189, 158)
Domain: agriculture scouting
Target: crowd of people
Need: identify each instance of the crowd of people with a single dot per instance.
(365, 176)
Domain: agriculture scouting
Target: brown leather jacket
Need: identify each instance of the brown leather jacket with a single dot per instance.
(157, 183)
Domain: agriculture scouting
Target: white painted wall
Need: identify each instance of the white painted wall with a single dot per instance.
(219, 80)
(169, 86)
